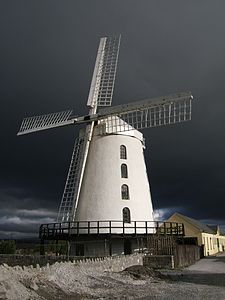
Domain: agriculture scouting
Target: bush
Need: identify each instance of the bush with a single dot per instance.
(7, 247)
(60, 248)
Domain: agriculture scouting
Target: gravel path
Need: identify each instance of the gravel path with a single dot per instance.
(211, 264)
(208, 273)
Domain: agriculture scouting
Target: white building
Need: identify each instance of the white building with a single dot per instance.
(115, 185)
(115, 188)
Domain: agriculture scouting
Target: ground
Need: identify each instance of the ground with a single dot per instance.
(208, 271)
(203, 280)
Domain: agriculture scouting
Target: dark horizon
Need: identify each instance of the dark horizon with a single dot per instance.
(47, 55)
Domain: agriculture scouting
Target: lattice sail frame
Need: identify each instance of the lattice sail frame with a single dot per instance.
(109, 67)
(37, 123)
(103, 80)
(169, 112)
(66, 209)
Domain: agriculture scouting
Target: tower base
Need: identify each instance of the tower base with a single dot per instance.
(106, 238)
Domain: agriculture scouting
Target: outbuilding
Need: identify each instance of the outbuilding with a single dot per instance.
(210, 236)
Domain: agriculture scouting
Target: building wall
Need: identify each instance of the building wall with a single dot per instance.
(101, 248)
(100, 197)
(213, 243)
(189, 230)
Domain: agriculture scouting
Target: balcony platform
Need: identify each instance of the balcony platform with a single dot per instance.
(88, 230)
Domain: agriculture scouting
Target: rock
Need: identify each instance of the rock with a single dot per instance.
(34, 286)
(139, 272)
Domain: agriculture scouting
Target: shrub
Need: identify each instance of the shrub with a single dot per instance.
(7, 247)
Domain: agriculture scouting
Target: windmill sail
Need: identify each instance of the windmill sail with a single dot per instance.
(103, 79)
(66, 209)
(147, 113)
(109, 67)
(37, 123)
(100, 94)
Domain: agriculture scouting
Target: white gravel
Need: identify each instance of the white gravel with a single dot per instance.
(92, 281)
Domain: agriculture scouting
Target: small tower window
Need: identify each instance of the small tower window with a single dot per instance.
(123, 152)
(126, 215)
(125, 192)
(124, 173)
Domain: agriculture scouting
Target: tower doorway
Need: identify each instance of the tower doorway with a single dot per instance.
(127, 247)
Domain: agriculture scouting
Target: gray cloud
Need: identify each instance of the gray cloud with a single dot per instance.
(23, 222)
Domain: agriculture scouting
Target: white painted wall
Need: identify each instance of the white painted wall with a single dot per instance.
(100, 197)
(213, 243)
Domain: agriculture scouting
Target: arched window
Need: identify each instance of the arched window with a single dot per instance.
(123, 152)
(126, 215)
(125, 192)
(124, 173)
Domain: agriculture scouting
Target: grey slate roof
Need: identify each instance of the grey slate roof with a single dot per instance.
(213, 227)
(222, 231)
(201, 226)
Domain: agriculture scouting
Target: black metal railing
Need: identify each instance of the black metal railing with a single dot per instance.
(58, 230)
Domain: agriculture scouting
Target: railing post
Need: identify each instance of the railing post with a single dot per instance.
(110, 227)
(88, 227)
(60, 228)
(164, 226)
(78, 228)
(157, 227)
(123, 227)
(146, 227)
(98, 227)
(69, 229)
(177, 229)
(135, 227)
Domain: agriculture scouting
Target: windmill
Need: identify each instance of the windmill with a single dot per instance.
(107, 178)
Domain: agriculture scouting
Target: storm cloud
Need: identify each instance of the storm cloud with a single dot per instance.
(47, 56)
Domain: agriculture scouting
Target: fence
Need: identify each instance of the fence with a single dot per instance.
(161, 245)
(184, 255)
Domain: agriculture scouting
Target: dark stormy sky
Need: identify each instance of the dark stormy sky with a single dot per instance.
(47, 55)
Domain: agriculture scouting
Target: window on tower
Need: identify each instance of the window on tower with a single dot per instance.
(126, 215)
(124, 173)
(125, 192)
(123, 152)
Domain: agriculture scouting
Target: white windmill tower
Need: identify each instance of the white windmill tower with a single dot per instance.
(107, 179)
